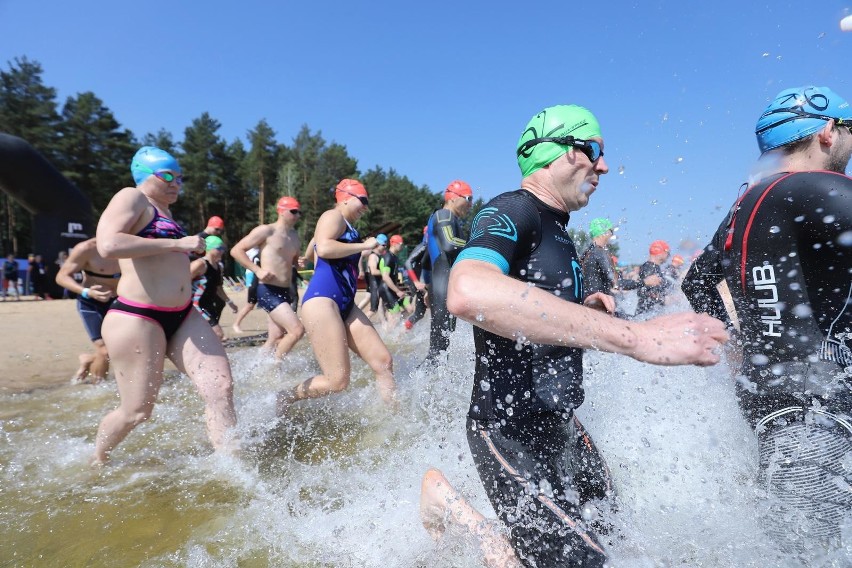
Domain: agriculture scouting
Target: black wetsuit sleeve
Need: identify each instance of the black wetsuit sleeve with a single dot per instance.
(598, 274)
(414, 262)
(700, 283)
(447, 231)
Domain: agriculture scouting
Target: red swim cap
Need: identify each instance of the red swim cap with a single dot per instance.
(286, 203)
(659, 247)
(457, 188)
(396, 240)
(677, 260)
(348, 188)
(216, 222)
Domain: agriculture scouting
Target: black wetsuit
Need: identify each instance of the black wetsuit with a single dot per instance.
(651, 297)
(373, 282)
(536, 462)
(445, 241)
(389, 264)
(784, 251)
(210, 303)
(415, 267)
(599, 273)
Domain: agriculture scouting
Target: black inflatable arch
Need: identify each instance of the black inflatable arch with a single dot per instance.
(62, 215)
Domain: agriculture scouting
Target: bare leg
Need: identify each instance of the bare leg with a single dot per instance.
(200, 354)
(365, 341)
(82, 372)
(139, 347)
(99, 366)
(328, 338)
(440, 503)
(241, 315)
(286, 318)
(273, 335)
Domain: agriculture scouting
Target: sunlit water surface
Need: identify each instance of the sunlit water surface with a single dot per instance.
(338, 484)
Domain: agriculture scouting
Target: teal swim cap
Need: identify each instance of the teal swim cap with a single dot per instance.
(599, 226)
(560, 120)
(798, 113)
(213, 242)
(150, 159)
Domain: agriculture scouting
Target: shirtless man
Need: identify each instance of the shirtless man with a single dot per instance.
(279, 246)
(94, 295)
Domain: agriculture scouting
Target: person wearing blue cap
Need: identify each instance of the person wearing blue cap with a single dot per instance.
(152, 318)
(783, 251)
(373, 275)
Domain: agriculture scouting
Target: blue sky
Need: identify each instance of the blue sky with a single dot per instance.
(442, 90)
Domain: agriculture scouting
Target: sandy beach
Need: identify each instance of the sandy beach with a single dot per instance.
(42, 339)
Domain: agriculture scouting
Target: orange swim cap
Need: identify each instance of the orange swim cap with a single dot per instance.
(348, 188)
(286, 203)
(216, 222)
(396, 240)
(457, 188)
(659, 247)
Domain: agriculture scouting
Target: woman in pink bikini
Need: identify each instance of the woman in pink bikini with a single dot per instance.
(153, 318)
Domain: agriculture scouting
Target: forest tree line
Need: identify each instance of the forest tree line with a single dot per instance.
(238, 182)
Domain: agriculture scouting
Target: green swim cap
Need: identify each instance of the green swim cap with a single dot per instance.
(214, 242)
(559, 120)
(599, 226)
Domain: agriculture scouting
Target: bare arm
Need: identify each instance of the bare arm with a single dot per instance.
(330, 226)
(77, 260)
(256, 238)
(115, 236)
(511, 308)
(197, 268)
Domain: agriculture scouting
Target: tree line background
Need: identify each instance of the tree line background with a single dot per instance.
(241, 184)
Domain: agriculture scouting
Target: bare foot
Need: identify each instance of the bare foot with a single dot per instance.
(236, 328)
(433, 504)
(82, 373)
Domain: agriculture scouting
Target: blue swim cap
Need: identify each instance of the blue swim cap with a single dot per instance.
(798, 113)
(382, 238)
(150, 159)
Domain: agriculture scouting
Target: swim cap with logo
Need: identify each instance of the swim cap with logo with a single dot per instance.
(150, 159)
(599, 226)
(348, 188)
(559, 120)
(286, 203)
(797, 113)
(214, 242)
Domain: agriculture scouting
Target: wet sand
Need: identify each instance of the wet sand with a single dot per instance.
(42, 339)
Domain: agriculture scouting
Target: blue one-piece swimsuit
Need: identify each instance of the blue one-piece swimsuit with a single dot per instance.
(337, 278)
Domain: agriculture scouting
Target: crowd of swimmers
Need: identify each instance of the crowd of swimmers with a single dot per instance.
(782, 251)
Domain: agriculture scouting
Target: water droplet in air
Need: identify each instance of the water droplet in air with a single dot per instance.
(774, 229)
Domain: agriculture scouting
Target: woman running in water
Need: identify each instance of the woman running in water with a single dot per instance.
(332, 320)
(153, 317)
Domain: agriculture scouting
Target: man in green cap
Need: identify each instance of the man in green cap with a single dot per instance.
(599, 273)
(518, 281)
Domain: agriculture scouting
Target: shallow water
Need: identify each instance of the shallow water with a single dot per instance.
(337, 485)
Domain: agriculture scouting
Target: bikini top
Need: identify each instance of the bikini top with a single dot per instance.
(99, 275)
(162, 228)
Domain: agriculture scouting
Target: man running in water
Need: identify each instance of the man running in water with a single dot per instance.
(518, 282)
(783, 251)
(280, 247)
(94, 296)
(420, 274)
(390, 287)
(653, 286)
(598, 267)
(445, 240)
